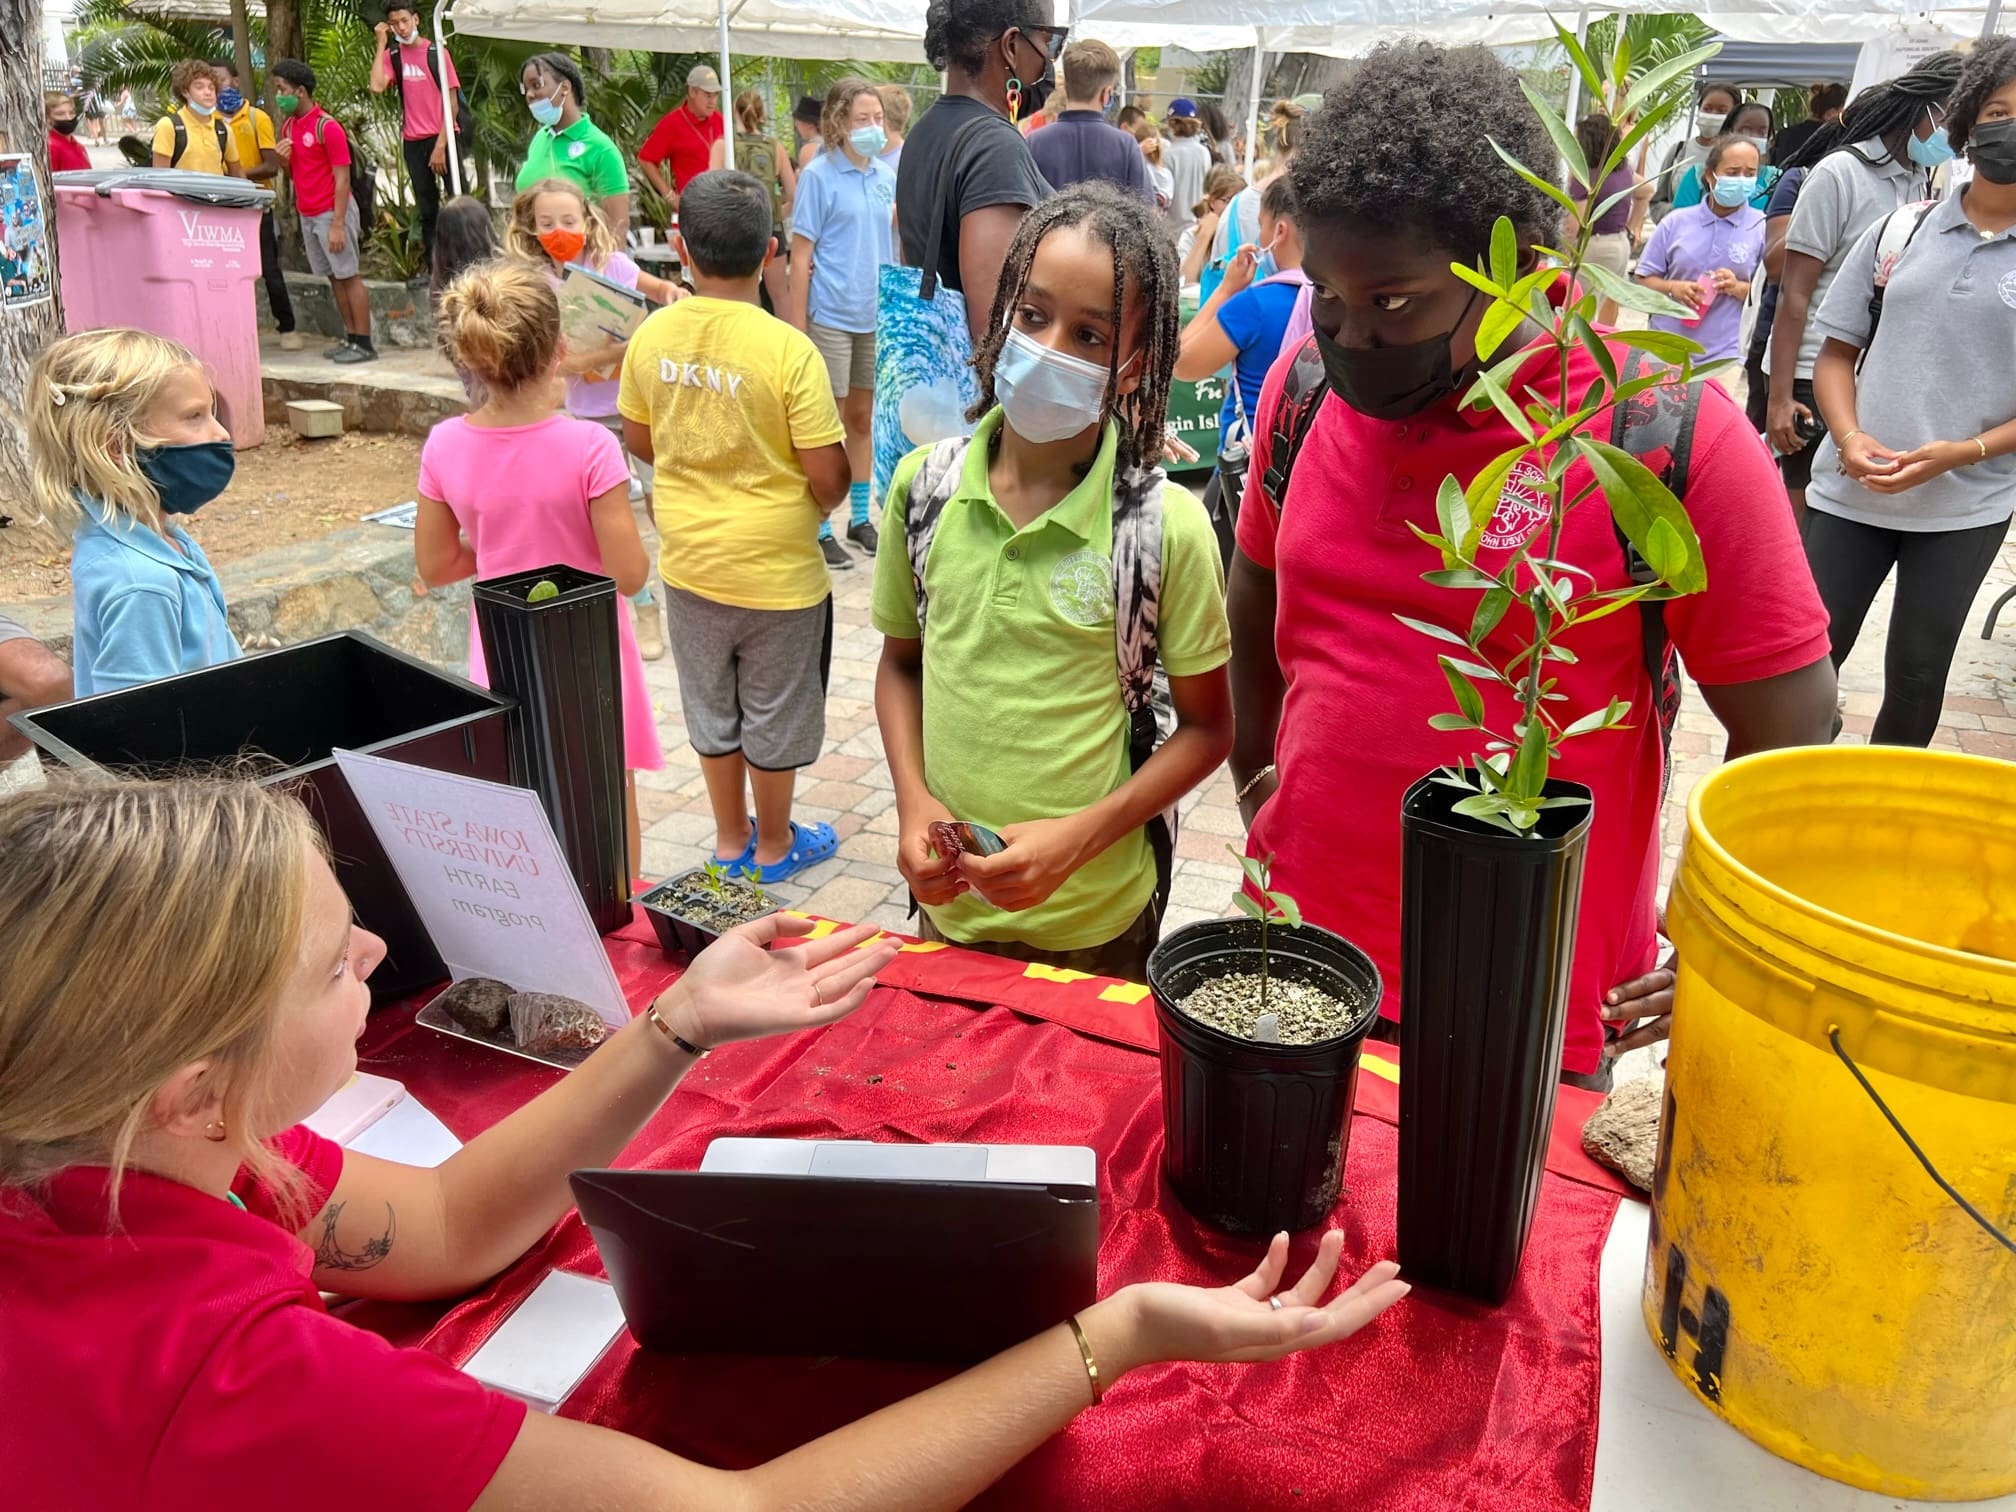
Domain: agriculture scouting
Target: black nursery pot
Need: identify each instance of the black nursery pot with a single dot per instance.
(1487, 936)
(561, 659)
(677, 934)
(1254, 1135)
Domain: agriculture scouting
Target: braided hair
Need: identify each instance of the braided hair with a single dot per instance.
(560, 66)
(1144, 265)
(1882, 110)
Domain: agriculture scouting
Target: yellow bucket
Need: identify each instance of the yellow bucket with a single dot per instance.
(1806, 1277)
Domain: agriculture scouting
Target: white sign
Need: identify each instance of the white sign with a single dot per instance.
(488, 880)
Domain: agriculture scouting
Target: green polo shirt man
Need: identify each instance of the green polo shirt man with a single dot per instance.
(1022, 717)
(582, 152)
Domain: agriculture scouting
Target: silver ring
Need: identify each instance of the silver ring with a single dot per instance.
(1275, 1303)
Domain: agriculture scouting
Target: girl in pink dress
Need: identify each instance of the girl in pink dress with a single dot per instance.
(514, 486)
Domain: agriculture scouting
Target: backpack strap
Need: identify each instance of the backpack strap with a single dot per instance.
(1653, 424)
(223, 143)
(181, 139)
(1137, 593)
(1899, 228)
(1301, 396)
(930, 491)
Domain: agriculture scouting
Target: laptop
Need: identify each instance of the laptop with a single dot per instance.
(948, 1253)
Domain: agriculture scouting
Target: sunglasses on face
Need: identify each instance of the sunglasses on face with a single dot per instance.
(1049, 40)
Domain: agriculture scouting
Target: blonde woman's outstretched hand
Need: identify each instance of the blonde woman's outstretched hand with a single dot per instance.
(764, 977)
(1239, 1322)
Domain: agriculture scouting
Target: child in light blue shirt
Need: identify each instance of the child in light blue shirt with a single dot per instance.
(122, 436)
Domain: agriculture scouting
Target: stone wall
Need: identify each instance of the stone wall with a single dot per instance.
(399, 313)
(359, 579)
(376, 406)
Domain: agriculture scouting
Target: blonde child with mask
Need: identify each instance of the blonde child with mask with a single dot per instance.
(123, 437)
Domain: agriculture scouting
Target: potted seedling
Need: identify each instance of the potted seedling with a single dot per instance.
(550, 640)
(690, 911)
(1261, 1021)
(1492, 844)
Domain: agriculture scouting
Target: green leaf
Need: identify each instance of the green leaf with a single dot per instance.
(1505, 406)
(1631, 295)
(1450, 722)
(1561, 653)
(1547, 187)
(1667, 346)
(1490, 610)
(1623, 599)
(1476, 280)
(1592, 78)
(1436, 631)
(1637, 498)
(1647, 85)
(1478, 806)
(1459, 577)
(1245, 904)
(1452, 510)
(1254, 868)
(1483, 491)
(1597, 348)
(1500, 321)
(1588, 723)
(1529, 768)
(1475, 669)
(1504, 251)
(1468, 699)
(1564, 139)
(1288, 908)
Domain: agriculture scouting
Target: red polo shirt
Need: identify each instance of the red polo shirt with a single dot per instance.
(185, 1363)
(1360, 686)
(683, 140)
(321, 146)
(66, 153)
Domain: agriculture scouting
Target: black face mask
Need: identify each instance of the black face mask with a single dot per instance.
(1992, 146)
(1037, 93)
(1393, 382)
(66, 128)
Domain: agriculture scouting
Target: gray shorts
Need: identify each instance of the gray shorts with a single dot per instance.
(850, 358)
(315, 232)
(752, 680)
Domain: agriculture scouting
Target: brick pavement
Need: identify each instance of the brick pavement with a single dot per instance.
(850, 787)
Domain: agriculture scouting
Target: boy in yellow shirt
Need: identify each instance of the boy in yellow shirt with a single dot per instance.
(733, 408)
(194, 137)
(259, 156)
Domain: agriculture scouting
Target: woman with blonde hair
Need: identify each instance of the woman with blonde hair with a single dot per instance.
(1193, 247)
(764, 159)
(184, 986)
(123, 436)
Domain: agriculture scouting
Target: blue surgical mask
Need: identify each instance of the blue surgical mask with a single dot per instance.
(1266, 265)
(1046, 395)
(545, 112)
(1731, 191)
(230, 101)
(868, 140)
(187, 477)
(1931, 151)
(210, 110)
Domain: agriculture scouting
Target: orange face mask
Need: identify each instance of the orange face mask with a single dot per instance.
(562, 245)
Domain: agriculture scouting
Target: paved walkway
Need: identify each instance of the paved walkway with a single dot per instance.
(850, 786)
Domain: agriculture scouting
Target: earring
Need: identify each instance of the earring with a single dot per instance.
(1014, 99)
(214, 1131)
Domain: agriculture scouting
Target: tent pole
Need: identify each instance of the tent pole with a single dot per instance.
(1253, 114)
(441, 15)
(726, 97)
(1992, 20)
(1574, 73)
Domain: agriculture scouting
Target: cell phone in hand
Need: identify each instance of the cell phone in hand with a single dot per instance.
(952, 837)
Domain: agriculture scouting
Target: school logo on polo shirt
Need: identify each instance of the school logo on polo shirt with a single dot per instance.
(2007, 288)
(1081, 586)
(1522, 507)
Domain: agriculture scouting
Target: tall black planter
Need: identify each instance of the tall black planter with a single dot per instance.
(560, 659)
(1487, 935)
(1254, 1135)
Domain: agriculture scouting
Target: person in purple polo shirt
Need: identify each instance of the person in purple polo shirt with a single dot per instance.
(1705, 255)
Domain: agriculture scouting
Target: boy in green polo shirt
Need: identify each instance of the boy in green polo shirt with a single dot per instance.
(1014, 718)
(567, 144)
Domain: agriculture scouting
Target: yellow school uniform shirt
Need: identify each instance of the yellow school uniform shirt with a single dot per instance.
(201, 155)
(251, 133)
(732, 396)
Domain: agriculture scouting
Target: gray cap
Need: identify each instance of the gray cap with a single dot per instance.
(700, 76)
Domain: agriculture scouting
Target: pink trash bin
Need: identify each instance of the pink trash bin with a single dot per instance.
(174, 253)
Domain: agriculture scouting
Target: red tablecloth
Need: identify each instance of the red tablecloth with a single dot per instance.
(1441, 1404)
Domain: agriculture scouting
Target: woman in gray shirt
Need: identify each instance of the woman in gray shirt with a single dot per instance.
(1923, 477)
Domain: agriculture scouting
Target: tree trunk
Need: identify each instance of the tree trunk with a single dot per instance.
(284, 39)
(24, 332)
(241, 45)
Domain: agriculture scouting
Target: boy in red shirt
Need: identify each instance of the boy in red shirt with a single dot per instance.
(1333, 693)
(65, 151)
(317, 150)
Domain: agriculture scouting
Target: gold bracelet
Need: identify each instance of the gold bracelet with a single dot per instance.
(1984, 449)
(686, 1045)
(1852, 435)
(1253, 782)
(1091, 1365)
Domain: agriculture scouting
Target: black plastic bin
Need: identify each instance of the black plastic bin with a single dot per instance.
(295, 706)
(1487, 933)
(560, 659)
(1255, 1134)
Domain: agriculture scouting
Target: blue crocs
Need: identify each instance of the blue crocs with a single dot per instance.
(810, 844)
(745, 862)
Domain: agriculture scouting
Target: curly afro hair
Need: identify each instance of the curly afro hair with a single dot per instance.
(1401, 145)
(1988, 67)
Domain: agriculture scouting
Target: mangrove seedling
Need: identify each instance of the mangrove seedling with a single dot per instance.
(1268, 909)
(542, 590)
